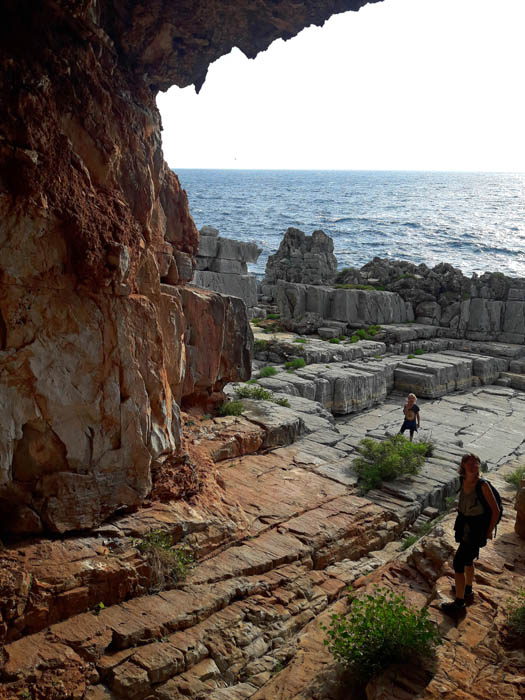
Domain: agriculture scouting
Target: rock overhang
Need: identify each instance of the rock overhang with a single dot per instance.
(173, 43)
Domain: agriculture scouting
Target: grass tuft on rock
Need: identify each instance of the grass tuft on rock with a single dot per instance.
(168, 564)
(268, 371)
(380, 630)
(253, 392)
(516, 476)
(230, 408)
(516, 618)
(297, 363)
(385, 460)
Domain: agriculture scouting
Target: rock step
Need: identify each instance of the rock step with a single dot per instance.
(283, 348)
(340, 387)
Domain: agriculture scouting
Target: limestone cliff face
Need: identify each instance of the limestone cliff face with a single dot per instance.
(96, 355)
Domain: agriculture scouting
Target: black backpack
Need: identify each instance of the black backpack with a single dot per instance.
(483, 501)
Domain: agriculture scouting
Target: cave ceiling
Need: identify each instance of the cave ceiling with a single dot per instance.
(172, 42)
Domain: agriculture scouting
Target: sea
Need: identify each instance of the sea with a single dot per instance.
(474, 221)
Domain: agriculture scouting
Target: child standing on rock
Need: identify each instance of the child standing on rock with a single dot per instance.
(412, 420)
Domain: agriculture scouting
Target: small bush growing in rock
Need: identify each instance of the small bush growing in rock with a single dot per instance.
(273, 317)
(256, 320)
(411, 356)
(260, 345)
(168, 564)
(283, 402)
(379, 630)
(388, 459)
(409, 542)
(267, 371)
(253, 392)
(516, 476)
(334, 340)
(300, 340)
(297, 363)
(230, 408)
(516, 616)
(419, 351)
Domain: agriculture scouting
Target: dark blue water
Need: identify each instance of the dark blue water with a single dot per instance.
(475, 221)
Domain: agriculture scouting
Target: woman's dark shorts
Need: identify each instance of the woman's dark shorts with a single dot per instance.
(465, 557)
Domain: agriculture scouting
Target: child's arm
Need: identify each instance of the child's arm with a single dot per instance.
(418, 419)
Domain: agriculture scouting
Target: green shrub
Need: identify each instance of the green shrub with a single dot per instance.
(260, 345)
(253, 392)
(516, 615)
(168, 564)
(516, 476)
(300, 340)
(380, 630)
(336, 341)
(411, 356)
(409, 542)
(388, 459)
(230, 408)
(268, 371)
(296, 363)
(354, 339)
(405, 276)
(256, 321)
(273, 317)
(283, 402)
(253, 380)
(419, 351)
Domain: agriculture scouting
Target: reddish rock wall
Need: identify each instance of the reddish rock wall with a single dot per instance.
(94, 356)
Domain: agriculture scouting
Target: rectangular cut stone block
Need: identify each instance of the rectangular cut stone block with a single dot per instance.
(433, 375)
(242, 286)
(230, 267)
(208, 246)
(516, 381)
(237, 250)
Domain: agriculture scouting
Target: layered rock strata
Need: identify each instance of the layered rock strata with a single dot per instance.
(221, 265)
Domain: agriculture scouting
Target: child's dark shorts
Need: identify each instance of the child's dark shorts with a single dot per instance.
(409, 425)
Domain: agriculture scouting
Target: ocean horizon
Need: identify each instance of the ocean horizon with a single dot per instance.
(472, 220)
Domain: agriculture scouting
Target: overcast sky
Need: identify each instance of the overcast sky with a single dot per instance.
(399, 85)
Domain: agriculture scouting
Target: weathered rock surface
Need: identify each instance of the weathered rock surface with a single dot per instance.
(351, 306)
(301, 258)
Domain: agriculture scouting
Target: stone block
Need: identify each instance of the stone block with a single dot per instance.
(434, 375)
(209, 231)
(208, 246)
(328, 332)
(229, 267)
(242, 286)
(238, 250)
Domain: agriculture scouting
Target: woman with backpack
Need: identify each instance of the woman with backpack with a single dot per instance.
(478, 515)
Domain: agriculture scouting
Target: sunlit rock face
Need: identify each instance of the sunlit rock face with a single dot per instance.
(96, 355)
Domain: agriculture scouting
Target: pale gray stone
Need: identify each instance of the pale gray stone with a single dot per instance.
(208, 246)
